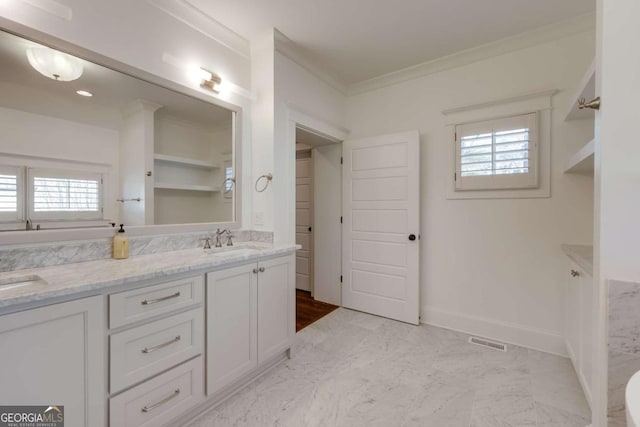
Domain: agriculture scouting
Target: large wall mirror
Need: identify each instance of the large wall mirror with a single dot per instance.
(82, 146)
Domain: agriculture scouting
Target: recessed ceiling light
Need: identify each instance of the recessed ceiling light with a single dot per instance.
(84, 93)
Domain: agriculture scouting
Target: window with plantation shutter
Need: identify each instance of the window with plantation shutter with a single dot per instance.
(497, 154)
(60, 195)
(11, 199)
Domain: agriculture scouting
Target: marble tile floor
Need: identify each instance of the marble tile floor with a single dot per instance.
(352, 369)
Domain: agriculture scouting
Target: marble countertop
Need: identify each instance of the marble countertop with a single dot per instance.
(84, 278)
(581, 255)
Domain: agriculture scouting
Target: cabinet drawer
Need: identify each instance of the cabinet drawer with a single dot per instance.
(139, 304)
(161, 399)
(141, 352)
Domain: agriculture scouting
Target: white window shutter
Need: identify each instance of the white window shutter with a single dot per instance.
(497, 154)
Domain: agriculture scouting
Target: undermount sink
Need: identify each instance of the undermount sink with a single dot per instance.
(20, 281)
(233, 250)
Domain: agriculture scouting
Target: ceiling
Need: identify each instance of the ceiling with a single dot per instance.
(356, 40)
(28, 90)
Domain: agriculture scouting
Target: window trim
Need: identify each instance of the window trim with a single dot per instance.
(62, 216)
(496, 181)
(540, 102)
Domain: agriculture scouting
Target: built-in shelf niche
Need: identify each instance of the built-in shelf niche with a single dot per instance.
(582, 162)
(187, 187)
(182, 161)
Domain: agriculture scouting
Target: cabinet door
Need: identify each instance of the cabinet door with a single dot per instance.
(54, 355)
(231, 325)
(572, 314)
(586, 335)
(276, 306)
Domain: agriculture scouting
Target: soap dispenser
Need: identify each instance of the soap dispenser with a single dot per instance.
(121, 244)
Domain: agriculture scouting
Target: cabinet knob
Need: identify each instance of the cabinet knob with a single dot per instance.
(255, 271)
(575, 273)
(261, 269)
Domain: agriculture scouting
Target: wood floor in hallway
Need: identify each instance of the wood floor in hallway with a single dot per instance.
(309, 310)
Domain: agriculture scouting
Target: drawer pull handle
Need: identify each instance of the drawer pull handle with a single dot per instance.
(159, 346)
(162, 402)
(153, 301)
(575, 273)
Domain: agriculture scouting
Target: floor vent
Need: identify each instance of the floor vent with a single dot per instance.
(489, 344)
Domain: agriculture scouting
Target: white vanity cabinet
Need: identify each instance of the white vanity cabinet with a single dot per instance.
(54, 355)
(579, 323)
(155, 352)
(250, 318)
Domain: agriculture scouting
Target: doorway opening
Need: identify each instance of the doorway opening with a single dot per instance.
(318, 231)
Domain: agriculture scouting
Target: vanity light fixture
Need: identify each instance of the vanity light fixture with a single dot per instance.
(84, 93)
(54, 64)
(210, 80)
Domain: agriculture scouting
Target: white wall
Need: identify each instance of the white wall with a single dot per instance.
(126, 34)
(617, 201)
(136, 159)
(296, 90)
(29, 139)
(492, 267)
(620, 148)
(262, 117)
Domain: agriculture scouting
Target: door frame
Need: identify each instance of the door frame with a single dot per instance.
(297, 118)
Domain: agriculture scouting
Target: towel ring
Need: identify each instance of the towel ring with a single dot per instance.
(224, 185)
(268, 177)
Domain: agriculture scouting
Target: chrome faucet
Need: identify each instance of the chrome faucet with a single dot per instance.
(229, 236)
(221, 233)
(218, 234)
(207, 242)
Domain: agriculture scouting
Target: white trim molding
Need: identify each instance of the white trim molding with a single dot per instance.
(559, 30)
(186, 12)
(52, 7)
(511, 333)
(292, 51)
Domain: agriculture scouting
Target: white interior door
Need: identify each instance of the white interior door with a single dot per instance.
(304, 221)
(381, 202)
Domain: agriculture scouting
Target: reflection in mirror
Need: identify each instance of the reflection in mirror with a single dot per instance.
(82, 145)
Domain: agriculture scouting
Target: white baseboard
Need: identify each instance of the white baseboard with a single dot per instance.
(511, 333)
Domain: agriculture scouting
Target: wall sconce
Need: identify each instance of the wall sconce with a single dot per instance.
(209, 80)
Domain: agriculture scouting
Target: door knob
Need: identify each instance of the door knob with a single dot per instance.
(412, 237)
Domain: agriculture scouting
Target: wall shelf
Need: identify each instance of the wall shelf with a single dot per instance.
(183, 161)
(587, 90)
(582, 162)
(188, 187)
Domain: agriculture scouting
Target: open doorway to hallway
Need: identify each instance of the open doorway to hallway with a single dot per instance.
(318, 210)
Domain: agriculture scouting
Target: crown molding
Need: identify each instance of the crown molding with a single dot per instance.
(580, 24)
(186, 12)
(52, 7)
(291, 50)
